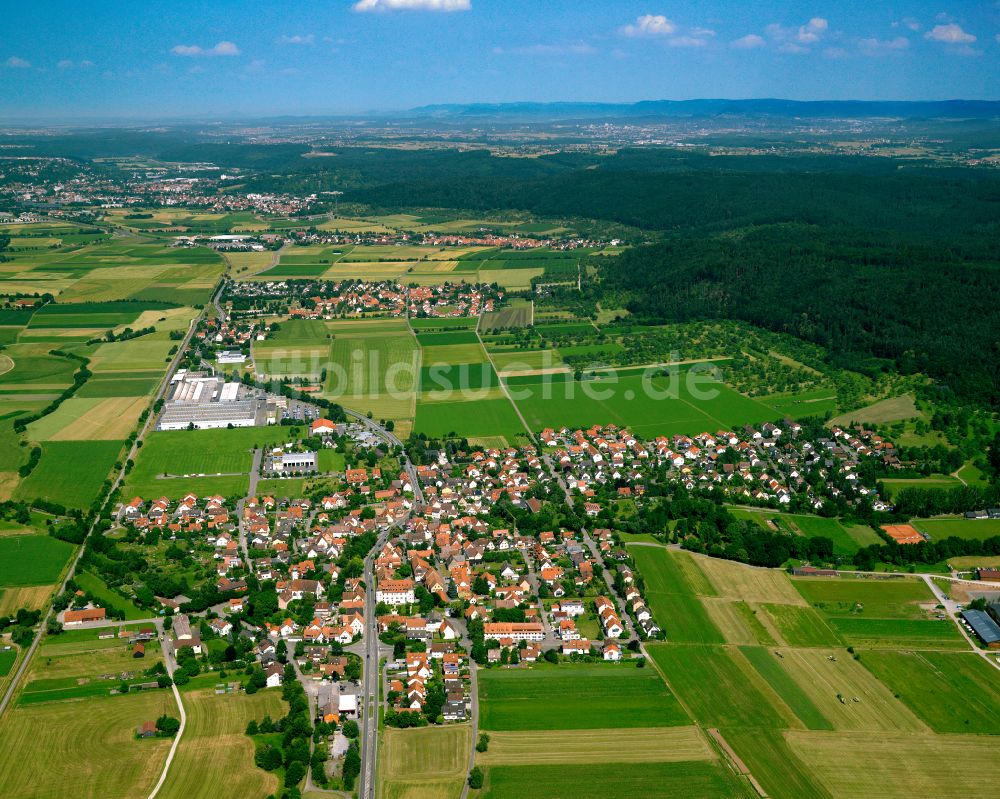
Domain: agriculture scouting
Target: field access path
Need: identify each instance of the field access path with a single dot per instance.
(503, 384)
(116, 484)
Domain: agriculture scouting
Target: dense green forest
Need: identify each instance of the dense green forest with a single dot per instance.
(887, 263)
(873, 300)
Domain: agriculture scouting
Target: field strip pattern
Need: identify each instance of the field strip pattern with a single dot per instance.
(639, 745)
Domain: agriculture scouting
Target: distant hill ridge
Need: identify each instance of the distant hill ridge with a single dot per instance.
(816, 109)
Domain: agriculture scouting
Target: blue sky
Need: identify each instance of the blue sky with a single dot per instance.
(220, 58)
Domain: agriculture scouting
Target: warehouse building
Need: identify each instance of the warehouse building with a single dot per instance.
(987, 630)
(206, 402)
(285, 462)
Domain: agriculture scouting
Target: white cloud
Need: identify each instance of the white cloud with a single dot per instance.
(223, 48)
(413, 5)
(951, 33)
(686, 41)
(14, 62)
(749, 42)
(650, 25)
(907, 22)
(797, 39)
(308, 38)
(813, 30)
(874, 46)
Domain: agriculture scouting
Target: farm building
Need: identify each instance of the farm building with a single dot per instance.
(71, 618)
(987, 630)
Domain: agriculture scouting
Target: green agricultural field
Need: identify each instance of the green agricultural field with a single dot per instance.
(880, 613)
(576, 697)
(648, 406)
(519, 314)
(937, 529)
(570, 747)
(525, 360)
(774, 765)
(204, 452)
(846, 540)
(599, 780)
(32, 559)
(448, 379)
(89, 744)
(672, 599)
(469, 419)
(376, 373)
(442, 324)
(951, 692)
(118, 387)
(447, 338)
(59, 478)
(899, 633)
(8, 657)
(800, 626)
(719, 687)
(887, 599)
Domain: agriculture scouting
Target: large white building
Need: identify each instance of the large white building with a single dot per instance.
(395, 592)
(206, 402)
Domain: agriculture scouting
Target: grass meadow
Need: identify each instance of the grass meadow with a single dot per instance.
(27, 560)
(88, 744)
(215, 757)
(576, 697)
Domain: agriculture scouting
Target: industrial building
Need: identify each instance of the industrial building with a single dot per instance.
(285, 462)
(204, 401)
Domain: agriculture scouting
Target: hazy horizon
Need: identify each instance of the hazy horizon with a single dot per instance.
(351, 57)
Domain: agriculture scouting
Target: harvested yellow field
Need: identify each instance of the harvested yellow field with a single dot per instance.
(433, 265)
(425, 763)
(454, 253)
(166, 319)
(111, 419)
(215, 756)
(688, 563)
(85, 748)
(557, 747)
(425, 753)
(846, 693)
(750, 583)
(8, 482)
(370, 270)
(249, 261)
(32, 597)
(737, 621)
(898, 765)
